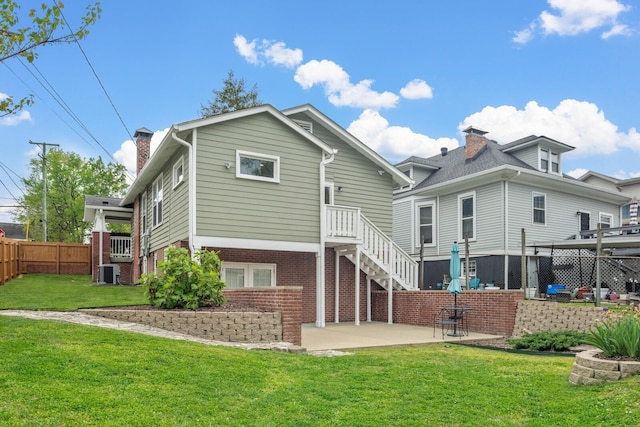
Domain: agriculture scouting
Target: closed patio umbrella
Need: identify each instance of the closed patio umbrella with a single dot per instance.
(454, 271)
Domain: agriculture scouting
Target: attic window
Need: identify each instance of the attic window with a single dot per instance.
(308, 126)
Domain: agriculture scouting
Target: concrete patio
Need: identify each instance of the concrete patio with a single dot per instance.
(342, 336)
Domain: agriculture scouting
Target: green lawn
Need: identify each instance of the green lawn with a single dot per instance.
(57, 374)
(65, 292)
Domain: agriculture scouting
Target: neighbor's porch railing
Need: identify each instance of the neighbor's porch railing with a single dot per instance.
(348, 225)
(120, 247)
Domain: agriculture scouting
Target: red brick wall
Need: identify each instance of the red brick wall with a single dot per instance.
(347, 292)
(493, 312)
(292, 269)
(285, 299)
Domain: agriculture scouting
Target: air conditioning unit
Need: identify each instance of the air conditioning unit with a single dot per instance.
(108, 274)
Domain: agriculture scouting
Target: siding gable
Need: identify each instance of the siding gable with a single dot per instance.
(233, 207)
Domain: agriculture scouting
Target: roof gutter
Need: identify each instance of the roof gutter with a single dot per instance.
(192, 183)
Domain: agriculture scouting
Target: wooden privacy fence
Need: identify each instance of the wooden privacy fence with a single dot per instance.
(20, 257)
(9, 264)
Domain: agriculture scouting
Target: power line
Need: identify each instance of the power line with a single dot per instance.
(97, 78)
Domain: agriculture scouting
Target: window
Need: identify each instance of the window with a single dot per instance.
(156, 189)
(328, 193)
(237, 275)
(539, 208)
(178, 172)
(466, 213)
(257, 166)
(472, 269)
(544, 160)
(426, 224)
(143, 213)
(555, 163)
(606, 220)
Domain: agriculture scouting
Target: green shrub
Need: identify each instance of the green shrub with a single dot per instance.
(549, 340)
(619, 335)
(183, 282)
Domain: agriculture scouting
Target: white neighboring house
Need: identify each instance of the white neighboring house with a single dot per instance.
(489, 192)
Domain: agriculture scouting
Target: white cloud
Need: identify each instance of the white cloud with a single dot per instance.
(395, 143)
(126, 154)
(16, 119)
(417, 89)
(255, 52)
(576, 123)
(246, 50)
(572, 17)
(278, 54)
(577, 173)
(338, 87)
(617, 30)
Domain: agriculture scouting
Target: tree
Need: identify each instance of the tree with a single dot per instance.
(69, 179)
(233, 96)
(45, 29)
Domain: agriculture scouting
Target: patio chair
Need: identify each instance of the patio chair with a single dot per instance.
(474, 283)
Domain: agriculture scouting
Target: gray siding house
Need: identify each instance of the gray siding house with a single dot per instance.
(487, 193)
(288, 198)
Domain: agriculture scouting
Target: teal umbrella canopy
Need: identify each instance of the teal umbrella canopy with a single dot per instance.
(454, 271)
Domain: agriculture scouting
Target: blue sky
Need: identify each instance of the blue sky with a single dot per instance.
(404, 76)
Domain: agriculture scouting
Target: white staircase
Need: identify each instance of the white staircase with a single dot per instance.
(381, 259)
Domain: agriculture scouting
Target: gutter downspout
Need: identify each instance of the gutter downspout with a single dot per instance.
(101, 242)
(192, 183)
(320, 260)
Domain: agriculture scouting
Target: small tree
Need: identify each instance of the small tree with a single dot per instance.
(233, 96)
(183, 282)
(46, 28)
(69, 179)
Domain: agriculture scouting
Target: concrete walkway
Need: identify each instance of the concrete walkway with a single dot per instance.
(327, 341)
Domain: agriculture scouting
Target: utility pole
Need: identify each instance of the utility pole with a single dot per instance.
(44, 145)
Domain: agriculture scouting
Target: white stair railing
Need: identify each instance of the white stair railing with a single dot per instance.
(347, 224)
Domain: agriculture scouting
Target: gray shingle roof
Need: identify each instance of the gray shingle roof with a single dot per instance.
(454, 165)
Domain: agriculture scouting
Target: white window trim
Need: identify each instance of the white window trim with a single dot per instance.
(475, 216)
(533, 208)
(155, 224)
(249, 154)
(431, 204)
(332, 193)
(144, 206)
(176, 166)
(605, 214)
(248, 271)
(473, 269)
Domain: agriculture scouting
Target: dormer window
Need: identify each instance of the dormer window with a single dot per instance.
(549, 161)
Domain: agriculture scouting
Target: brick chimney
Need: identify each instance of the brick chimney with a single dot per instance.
(475, 141)
(143, 144)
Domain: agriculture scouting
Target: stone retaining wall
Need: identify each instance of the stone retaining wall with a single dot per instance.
(219, 326)
(588, 369)
(538, 316)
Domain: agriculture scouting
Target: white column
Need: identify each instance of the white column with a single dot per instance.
(357, 286)
(337, 289)
(368, 299)
(390, 287)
